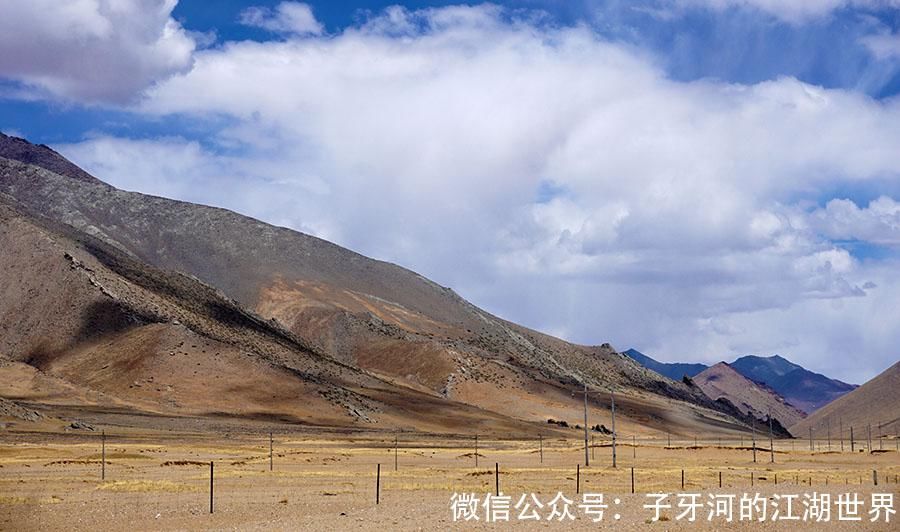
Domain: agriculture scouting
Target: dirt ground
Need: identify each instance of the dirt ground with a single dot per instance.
(319, 481)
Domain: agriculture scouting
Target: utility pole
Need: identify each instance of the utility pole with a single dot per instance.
(828, 424)
(869, 432)
(396, 451)
(612, 398)
(841, 421)
(587, 460)
(541, 443)
(810, 440)
(753, 426)
(771, 441)
(852, 444)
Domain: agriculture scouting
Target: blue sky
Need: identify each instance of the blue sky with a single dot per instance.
(697, 179)
(736, 45)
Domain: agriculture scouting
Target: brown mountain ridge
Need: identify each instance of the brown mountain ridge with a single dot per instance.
(875, 404)
(94, 273)
(752, 398)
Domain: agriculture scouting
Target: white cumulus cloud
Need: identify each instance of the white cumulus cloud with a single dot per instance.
(883, 45)
(287, 17)
(793, 11)
(551, 176)
(91, 50)
(878, 223)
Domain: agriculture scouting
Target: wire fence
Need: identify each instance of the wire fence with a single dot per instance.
(162, 471)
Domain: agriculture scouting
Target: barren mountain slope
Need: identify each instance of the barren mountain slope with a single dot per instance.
(40, 155)
(806, 390)
(721, 380)
(366, 313)
(875, 403)
(81, 323)
(333, 297)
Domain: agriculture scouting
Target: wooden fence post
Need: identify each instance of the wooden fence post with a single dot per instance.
(377, 483)
(496, 479)
(211, 475)
(476, 450)
(103, 455)
(577, 478)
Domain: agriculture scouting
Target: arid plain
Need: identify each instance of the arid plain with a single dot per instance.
(327, 480)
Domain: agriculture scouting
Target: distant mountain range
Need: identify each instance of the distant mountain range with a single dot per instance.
(722, 381)
(672, 370)
(806, 390)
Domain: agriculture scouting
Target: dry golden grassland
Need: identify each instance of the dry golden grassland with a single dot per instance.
(320, 482)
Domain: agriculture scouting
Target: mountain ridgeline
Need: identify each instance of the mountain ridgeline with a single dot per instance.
(873, 408)
(721, 381)
(802, 389)
(673, 370)
(116, 301)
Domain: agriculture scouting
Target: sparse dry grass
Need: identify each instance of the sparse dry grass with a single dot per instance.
(147, 486)
(321, 479)
(118, 456)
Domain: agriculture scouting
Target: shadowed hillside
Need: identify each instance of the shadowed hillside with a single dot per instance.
(122, 334)
(804, 389)
(875, 403)
(755, 399)
(330, 306)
